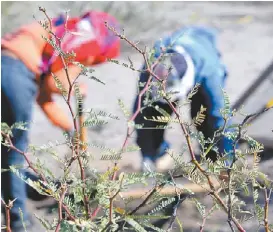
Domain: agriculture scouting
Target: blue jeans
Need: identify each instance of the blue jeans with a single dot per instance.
(18, 92)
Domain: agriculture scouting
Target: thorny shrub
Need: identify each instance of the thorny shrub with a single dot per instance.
(93, 202)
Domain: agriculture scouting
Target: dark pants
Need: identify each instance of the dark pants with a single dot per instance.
(18, 91)
(149, 140)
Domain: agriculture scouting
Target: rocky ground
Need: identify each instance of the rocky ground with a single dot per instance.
(245, 41)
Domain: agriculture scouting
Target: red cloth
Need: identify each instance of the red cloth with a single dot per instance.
(88, 37)
(94, 45)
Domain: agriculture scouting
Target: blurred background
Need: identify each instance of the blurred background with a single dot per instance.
(245, 40)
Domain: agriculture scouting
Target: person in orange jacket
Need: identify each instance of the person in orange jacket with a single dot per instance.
(27, 64)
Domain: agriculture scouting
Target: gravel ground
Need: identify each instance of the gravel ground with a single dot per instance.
(245, 41)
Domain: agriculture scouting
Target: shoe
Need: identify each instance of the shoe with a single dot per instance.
(164, 163)
(161, 162)
(148, 165)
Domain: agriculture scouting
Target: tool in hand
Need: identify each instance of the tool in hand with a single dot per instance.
(82, 130)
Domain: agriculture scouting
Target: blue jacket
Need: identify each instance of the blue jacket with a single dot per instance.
(210, 72)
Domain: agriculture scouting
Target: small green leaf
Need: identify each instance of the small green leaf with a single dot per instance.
(135, 225)
(200, 117)
(125, 111)
(22, 219)
(46, 224)
(59, 85)
(200, 207)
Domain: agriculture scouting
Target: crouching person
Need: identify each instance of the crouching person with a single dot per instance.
(194, 58)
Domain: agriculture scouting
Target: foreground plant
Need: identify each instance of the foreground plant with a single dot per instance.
(93, 201)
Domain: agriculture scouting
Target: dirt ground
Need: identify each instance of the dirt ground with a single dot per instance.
(245, 41)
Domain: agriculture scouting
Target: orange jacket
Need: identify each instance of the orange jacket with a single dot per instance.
(28, 45)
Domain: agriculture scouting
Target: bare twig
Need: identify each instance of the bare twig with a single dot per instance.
(230, 224)
(95, 212)
(49, 20)
(124, 38)
(249, 118)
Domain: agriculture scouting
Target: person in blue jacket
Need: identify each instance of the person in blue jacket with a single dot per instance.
(194, 57)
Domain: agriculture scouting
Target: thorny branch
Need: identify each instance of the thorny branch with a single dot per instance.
(155, 189)
(86, 203)
(112, 198)
(7, 213)
(179, 201)
(205, 219)
(95, 212)
(267, 197)
(11, 146)
(146, 87)
(60, 206)
(247, 119)
(149, 69)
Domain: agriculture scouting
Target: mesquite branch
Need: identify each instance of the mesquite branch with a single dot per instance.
(267, 197)
(179, 201)
(30, 165)
(76, 153)
(71, 85)
(60, 206)
(149, 69)
(205, 219)
(7, 213)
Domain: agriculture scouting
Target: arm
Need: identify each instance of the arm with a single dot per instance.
(49, 82)
(53, 112)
